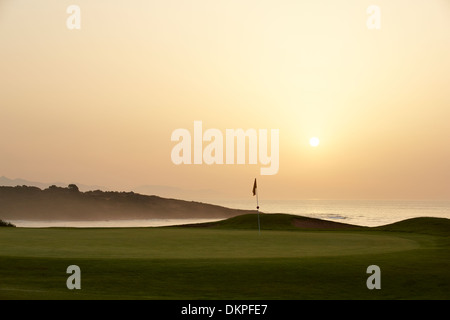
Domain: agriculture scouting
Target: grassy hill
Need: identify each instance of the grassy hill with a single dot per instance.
(274, 222)
(424, 225)
(285, 222)
(56, 203)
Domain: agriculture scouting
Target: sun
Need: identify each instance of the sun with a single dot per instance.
(314, 141)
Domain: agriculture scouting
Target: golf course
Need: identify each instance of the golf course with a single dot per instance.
(290, 258)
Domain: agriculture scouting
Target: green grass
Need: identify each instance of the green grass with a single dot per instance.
(425, 225)
(228, 261)
(284, 222)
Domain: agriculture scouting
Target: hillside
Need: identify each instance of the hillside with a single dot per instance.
(424, 225)
(7, 182)
(57, 203)
(277, 221)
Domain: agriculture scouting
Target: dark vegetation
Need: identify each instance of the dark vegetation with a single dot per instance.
(57, 203)
(6, 224)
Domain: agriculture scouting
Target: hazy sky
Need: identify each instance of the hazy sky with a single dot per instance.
(98, 105)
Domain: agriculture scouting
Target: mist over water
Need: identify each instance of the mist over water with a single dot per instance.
(106, 223)
(369, 213)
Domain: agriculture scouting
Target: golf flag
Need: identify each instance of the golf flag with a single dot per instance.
(255, 193)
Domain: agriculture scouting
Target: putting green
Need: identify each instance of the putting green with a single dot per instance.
(214, 263)
(178, 243)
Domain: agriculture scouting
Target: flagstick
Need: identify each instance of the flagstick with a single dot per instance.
(257, 209)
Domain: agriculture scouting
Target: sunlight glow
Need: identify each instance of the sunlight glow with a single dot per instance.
(314, 141)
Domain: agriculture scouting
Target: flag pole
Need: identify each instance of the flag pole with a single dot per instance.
(255, 193)
(257, 209)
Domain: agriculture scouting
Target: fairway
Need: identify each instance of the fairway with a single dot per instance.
(208, 263)
(162, 243)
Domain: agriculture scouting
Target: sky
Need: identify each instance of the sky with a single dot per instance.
(98, 105)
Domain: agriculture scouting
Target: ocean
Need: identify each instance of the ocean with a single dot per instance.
(369, 213)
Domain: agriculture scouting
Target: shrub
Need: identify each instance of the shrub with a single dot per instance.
(6, 224)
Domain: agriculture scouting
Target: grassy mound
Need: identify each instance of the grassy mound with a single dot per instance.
(274, 222)
(285, 222)
(424, 225)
